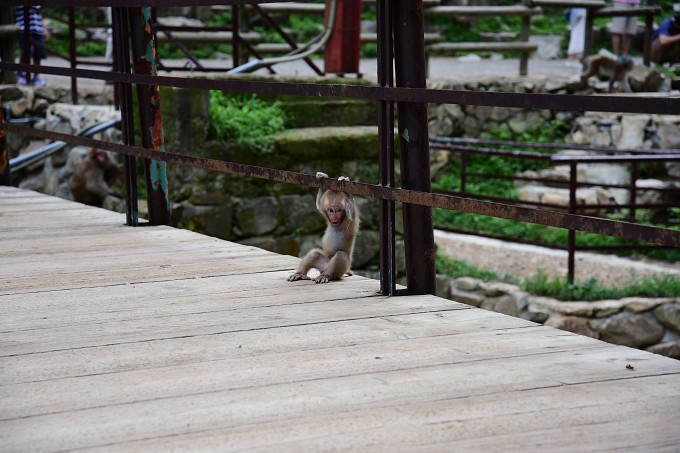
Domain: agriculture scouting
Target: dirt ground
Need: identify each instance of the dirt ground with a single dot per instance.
(522, 261)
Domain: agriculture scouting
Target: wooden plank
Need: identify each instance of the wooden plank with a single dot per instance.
(481, 46)
(142, 339)
(113, 358)
(591, 417)
(363, 393)
(455, 11)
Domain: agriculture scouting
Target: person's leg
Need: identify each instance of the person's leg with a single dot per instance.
(626, 42)
(616, 43)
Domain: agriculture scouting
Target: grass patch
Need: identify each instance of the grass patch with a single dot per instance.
(245, 119)
(548, 132)
(560, 288)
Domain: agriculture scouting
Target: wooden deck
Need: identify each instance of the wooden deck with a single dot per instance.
(157, 339)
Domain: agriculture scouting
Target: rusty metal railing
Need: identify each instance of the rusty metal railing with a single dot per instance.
(631, 157)
(410, 96)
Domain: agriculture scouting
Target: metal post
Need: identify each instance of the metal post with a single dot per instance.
(588, 37)
(151, 126)
(123, 91)
(72, 53)
(571, 246)
(386, 145)
(26, 50)
(647, 43)
(235, 38)
(633, 190)
(5, 174)
(414, 146)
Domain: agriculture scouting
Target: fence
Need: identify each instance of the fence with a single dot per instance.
(400, 88)
(632, 158)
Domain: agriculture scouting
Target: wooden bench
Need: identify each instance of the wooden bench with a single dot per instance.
(522, 45)
(366, 38)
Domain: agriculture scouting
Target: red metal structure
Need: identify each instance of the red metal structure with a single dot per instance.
(341, 54)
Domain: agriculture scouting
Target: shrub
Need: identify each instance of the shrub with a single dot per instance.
(245, 119)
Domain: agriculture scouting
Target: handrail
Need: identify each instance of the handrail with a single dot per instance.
(23, 161)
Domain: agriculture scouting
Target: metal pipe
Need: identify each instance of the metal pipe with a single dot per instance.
(124, 95)
(414, 145)
(386, 145)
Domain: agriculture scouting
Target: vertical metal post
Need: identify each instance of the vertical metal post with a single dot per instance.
(524, 37)
(386, 145)
(26, 49)
(414, 145)
(572, 210)
(151, 126)
(5, 175)
(72, 53)
(633, 190)
(463, 171)
(235, 38)
(647, 42)
(588, 36)
(121, 62)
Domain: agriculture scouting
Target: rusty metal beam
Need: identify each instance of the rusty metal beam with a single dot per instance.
(625, 230)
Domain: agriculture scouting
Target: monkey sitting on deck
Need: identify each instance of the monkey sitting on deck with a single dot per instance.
(92, 177)
(602, 65)
(342, 218)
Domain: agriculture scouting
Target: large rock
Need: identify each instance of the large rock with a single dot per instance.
(629, 329)
(258, 216)
(669, 315)
(671, 350)
(573, 324)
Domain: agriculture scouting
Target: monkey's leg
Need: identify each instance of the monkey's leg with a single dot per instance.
(314, 259)
(337, 267)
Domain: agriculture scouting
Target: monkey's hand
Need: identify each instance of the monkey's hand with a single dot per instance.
(323, 278)
(320, 175)
(298, 276)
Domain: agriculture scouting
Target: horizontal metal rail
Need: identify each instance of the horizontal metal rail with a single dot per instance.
(43, 152)
(625, 230)
(595, 103)
(438, 141)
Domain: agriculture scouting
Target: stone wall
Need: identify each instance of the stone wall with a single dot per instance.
(650, 324)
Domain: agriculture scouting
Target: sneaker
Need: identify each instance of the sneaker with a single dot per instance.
(37, 81)
(21, 78)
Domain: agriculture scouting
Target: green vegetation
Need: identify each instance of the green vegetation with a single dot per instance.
(560, 288)
(245, 119)
(550, 132)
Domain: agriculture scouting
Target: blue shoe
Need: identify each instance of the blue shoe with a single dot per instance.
(37, 81)
(21, 78)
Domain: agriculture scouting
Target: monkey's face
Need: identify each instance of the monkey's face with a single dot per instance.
(335, 214)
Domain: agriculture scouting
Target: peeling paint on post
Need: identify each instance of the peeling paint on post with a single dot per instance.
(144, 54)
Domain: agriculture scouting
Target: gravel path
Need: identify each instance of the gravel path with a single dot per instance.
(521, 261)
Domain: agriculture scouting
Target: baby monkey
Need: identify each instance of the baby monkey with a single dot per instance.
(616, 71)
(335, 258)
